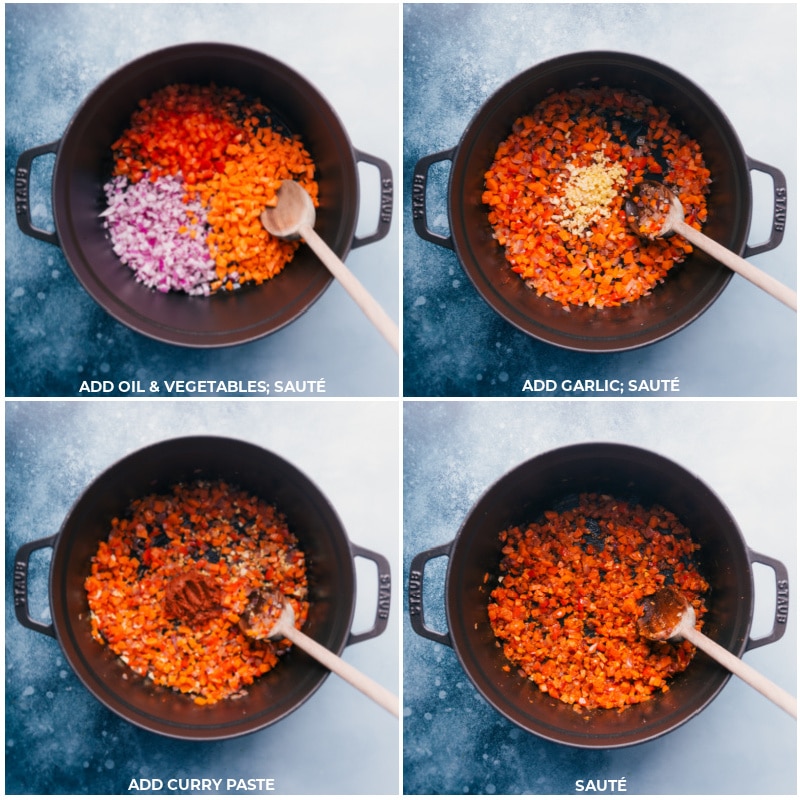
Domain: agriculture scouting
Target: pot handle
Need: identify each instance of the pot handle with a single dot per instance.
(419, 212)
(781, 600)
(21, 562)
(22, 188)
(778, 208)
(387, 199)
(416, 580)
(384, 595)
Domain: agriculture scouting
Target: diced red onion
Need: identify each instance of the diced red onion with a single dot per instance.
(158, 235)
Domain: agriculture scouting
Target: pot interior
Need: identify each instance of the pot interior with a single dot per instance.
(331, 576)
(83, 165)
(550, 481)
(689, 288)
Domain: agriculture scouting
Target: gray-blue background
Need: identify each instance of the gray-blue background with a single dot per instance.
(56, 336)
(59, 739)
(744, 451)
(455, 56)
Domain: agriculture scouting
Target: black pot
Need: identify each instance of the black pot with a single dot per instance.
(83, 165)
(331, 575)
(542, 483)
(689, 289)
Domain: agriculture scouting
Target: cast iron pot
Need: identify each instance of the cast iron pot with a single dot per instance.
(550, 481)
(83, 165)
(331, 576)
(688, 291)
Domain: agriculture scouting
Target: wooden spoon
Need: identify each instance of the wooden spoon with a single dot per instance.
(292, 218)
(667, 615)
(271, 616)
(656, 211)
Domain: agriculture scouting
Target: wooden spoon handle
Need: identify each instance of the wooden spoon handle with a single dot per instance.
(365, 301)
(738, 264)
(369, 687)
(744, 671)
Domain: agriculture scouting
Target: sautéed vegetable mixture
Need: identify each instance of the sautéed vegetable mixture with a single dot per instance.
(168, 586)
(566, 603)
(556, 195)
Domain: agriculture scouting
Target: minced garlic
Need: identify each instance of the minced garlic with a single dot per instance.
(589, 191)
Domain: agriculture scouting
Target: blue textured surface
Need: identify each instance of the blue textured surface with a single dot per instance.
(457, 55)
(454, 742)
(60, 740)
(56, 336)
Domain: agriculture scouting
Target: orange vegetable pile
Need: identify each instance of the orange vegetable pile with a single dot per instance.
(556, 191)
(567, 600)
(229, 154)
(169, 585)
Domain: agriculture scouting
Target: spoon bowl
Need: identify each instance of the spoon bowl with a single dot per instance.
(655, 211)
(293, 210)
(267, 615)
(667, 615)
